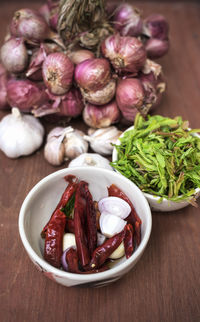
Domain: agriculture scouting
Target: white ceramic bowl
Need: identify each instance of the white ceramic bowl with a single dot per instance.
(165, 205)
(42, 200)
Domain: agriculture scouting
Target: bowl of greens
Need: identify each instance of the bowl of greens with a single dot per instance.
(161, 155)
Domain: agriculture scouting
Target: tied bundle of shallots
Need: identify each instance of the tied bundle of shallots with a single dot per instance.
(98, 65)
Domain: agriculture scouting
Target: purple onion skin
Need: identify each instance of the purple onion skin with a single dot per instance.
(14, 55)
(129, 94)
(101, 116)
(34, 71)
(129, 115)
(101, 96)
(53, 12)
(3, 88)
(45, 12)
(127, 54)
(24, 94)
(127, 20)
(149, 85)
(156, 26)
(72, 105)
(29, 24)
(81, 55)
(156, 48)
(58, 72)
(93, 74)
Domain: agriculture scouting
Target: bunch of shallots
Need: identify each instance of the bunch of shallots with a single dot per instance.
(43, 74)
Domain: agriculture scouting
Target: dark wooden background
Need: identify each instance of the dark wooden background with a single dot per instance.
(165, 284)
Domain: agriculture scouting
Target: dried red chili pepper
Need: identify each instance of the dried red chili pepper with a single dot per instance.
(54, 238)
(91, 222)
(133, 218)
(128, 241)
(102, 252)
(72, 260)
(80, 223)
(67, 194)
(137, 232)
(69, 228)
(98, 270)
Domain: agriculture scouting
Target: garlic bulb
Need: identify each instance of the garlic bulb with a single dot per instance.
(101, 140)
(75, 144)
(20, 134)
(63, 144)
(90, 159)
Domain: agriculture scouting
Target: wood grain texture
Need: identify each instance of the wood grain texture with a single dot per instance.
(165, 284)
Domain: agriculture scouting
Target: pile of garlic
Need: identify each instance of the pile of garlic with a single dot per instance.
(22, 134)
(63, 144)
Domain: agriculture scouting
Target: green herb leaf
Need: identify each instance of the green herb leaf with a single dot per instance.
(69, 207)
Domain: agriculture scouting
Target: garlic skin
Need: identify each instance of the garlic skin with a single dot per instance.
(75, 144)
(101, 140)
(20, 134)
(90, 159)
(54, 151)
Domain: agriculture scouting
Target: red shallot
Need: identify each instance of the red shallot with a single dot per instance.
(78, 56)
(127, 20)
(101, 96)
(72, 104)
(3, 87)
(156, 26)
(24, 94)
(53, 13)
(58, 73)
(14, 55)
(93, 74)
(101, 116)
(127, 54)
(45, 12)
(129, 93)
(156, 48)
(29, 24)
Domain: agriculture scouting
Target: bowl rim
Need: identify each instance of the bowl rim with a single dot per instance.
(146, 194)
(73, 276)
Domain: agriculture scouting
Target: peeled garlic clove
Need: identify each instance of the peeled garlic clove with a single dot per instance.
(101, 140)
(54, 151)
(118, 252)
(20, 134)
(115, 206)
(68, 241)
(100, 239)
(90, 159)
(111, 225)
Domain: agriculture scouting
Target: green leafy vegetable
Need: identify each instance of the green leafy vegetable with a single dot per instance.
(162, 156)
(69, 207)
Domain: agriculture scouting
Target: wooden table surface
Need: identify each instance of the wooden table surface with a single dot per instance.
(165, 284)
